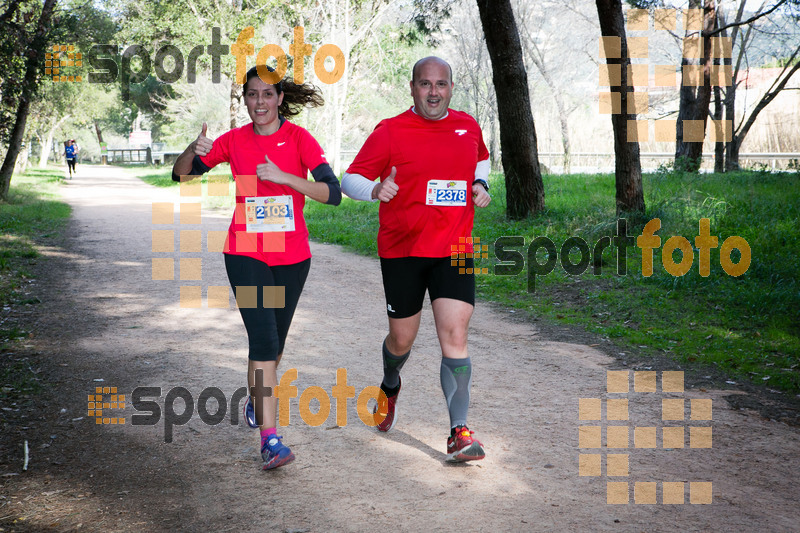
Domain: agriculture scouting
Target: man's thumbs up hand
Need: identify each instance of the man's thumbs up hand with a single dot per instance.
(387, 188)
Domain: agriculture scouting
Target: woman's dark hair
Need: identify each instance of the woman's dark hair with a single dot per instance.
(295, 97)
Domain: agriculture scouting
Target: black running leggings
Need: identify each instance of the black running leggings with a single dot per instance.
(267, 327)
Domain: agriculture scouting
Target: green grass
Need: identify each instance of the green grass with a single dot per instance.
(748, 326)
(162, 177)
(32, 216)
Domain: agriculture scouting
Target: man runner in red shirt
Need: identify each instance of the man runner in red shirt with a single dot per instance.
(434, 168)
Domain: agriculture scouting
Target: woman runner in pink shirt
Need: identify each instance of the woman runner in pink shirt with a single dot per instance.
(267, 243)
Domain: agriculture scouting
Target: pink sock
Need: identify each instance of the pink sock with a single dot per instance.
(266, 434)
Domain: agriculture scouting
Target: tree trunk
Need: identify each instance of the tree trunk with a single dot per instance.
(562, 111)
(103, 156)
(777, 86)
(21, 164)
(340, 89)
(732, 163)
(627, 165)
(33, 63)
(47, 147)
(695, 101)
(234, 100)
(719, 144)
(524, 188)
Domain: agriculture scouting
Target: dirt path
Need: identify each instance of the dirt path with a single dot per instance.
(102, 317)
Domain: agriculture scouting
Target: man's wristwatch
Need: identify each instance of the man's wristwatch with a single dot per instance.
(483, 183)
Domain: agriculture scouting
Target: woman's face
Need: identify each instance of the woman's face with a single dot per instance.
(262, 101)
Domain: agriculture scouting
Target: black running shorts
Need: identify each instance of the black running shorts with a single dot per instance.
(267, 326)
(405, 280)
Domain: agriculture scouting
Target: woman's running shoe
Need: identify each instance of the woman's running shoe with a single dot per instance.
(275, 454)
(249, 413)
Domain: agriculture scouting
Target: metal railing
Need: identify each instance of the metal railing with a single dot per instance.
(129, 155)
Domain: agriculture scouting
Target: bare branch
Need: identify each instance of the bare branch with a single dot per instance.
(777, 86)
(748, 21)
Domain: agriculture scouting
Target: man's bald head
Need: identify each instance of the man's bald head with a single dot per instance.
(429, 59)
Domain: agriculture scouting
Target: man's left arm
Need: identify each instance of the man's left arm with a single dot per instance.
(480, 186)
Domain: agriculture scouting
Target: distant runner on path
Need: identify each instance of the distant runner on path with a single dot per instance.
(71, 150)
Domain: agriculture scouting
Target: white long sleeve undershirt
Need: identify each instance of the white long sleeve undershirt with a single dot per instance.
(359, 187)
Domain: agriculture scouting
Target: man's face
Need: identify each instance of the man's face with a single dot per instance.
(432, 90)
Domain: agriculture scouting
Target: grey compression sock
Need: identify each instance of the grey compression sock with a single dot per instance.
(391, 367)
(456, 376)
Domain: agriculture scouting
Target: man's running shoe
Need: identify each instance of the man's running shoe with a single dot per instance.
(275, 454)
(462, 447)
(249, 413)
(386, 412)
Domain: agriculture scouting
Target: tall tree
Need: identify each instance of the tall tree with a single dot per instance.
(32, 46)
(158, 23)
(790, 68)
(541, 55)
(350, 24)
(627, 165)
(471, 72)
(695, 95)
(524, 187)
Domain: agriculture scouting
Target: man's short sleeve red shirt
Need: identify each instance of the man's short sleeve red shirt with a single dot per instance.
(435, 160)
